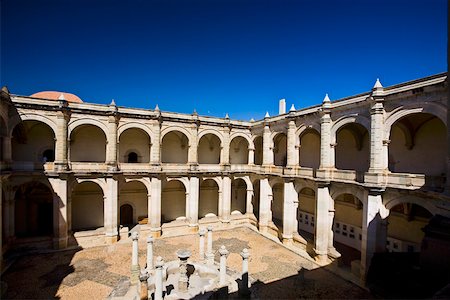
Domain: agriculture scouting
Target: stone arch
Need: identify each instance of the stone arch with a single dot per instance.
(32, 117)
(208, 205)
(308, 142)
(280, 149)
(174, 196)
(238, 155)
(239, 196)
(306, 211)
(87, 133)
(390, 202)
(175, 146)
(181, 129)
(435, 109)
(183, 180)
(88, 204)
(245, 136)
(131, 125)
(258, 143)
(87, 121)
(348, 119)
(99, 181)
(134, 139)
(358, 192)
(209, 148)
(214, 132)
(135, 193)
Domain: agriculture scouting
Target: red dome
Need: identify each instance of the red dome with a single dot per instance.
(54, 95)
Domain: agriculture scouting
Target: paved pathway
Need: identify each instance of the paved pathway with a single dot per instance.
(93, 273)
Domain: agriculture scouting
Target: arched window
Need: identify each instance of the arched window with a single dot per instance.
(48, 155)
(132, 157)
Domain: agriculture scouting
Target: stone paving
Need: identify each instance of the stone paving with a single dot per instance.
(94, 272)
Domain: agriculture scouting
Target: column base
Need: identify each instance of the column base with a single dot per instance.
(60, 166)
(60, 243)
(288, 241)
(155, 232)
(111, 239)
(193, 228)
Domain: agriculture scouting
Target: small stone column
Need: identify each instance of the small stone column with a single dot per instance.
(111, 147)
(267, 146)
(183, 281)
(143, 277)
(62, 119)
(326, 148)
(223, 266)
(292, 154)
(156, 145)
(245, 284)
(149, 253)
(134, 258)
(201, 234)
(158, 294)
(209, 252)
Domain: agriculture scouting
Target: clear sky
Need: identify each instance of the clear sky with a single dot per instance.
(216, 56)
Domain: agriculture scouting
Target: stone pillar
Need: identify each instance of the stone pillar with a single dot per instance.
(111, 213)
(155, 158)
(193, 146)
(220, 208)
(245, 284)
(265, 203)
(183, 281)
(223, 266)
(155, 207)
(326, 147)
(374, 230)
(323, 225)
(249, 205)
(69, 213)
(201, 234)
(193, 202)
(226, 199)
(209, 251)
(159, 279)
(292, 154)
(135, 258)
(149, 254)
(377, 156)
(225, 153)
(289, 212)
(59, 187)
(62, 119)
(7, 149)
(111, 148)
(251, 156)
(267, 146)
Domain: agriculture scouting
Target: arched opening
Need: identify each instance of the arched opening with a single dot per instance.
(3, 135)
(87, 144)
(347, 227)
(134, 146)
(174, 148)
(414, 137)
(353, 148)
(309, 151)
(87, 206)
(30, 140)
(209, 199)
(209, 149)
(33, 210)
(255, 199)
(258, 141)
(238, 196)
(239, 151)
(306, 214)
(126, 215)
(280, 150)
(132, 157)
(173, 201)
(134, 193)
(277, 205)
(405, 224)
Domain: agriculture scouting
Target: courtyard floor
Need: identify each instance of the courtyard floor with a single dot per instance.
(94, 272)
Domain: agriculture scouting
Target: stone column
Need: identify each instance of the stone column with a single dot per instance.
(374, 230)
(226, 199)
(245, 284)
(69, 212)
(267, 146)
(155, 207)
(59, 187)
(159, 278)
(249, 205)
(183, 281)
(111, 148)
(209, 251)
(289, 212)
(111, 213)
(149, 254)
(265, 203)
(225, 159)
(193, 146)
(155, 158)
(377, 163)
(201, 234)
(323, 225)
(62, 119)
(292, 154)
(251, 156)
(135, 258)
(193, 202)
(326, 148)
(223, 266)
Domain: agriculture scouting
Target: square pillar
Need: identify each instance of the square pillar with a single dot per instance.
(267, 146)
(155, 151)
(155, 207)
(226, 199)
(111, 211)
(292, 154)
(193, 145)
(60, 227)
(111, 147)
(323, 226)
(265, 203)
(225, 151)
(289, 212)
(193, 202)
(62, 119)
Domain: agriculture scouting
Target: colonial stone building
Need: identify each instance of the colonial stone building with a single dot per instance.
(354, 176)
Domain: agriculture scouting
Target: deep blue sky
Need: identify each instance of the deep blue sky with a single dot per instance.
(217, 56)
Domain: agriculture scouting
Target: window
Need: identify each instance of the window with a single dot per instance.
(132, 157)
